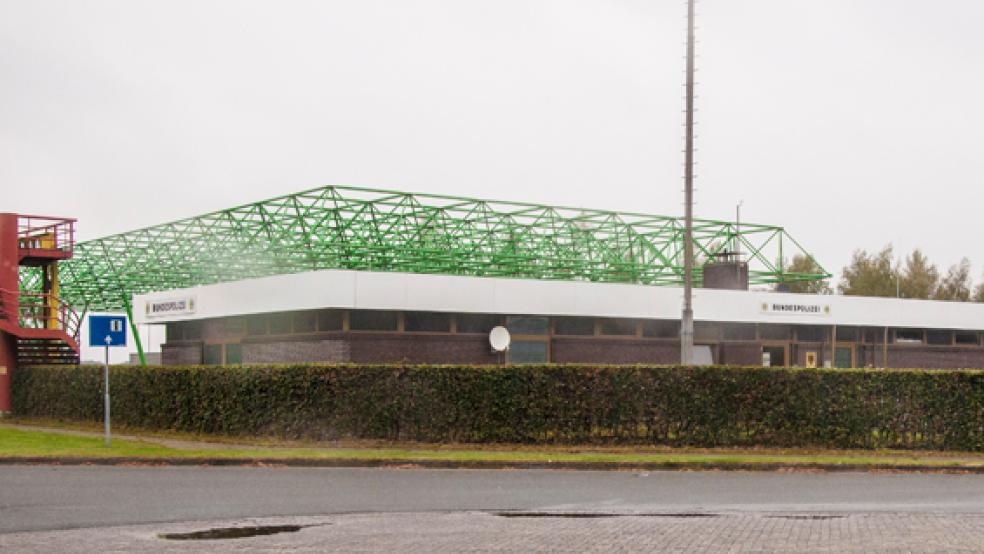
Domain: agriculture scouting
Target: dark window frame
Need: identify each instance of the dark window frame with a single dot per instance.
(573, 326)
(193, 329)
(234, 326)
(476, 321)
(743, 332)
(848, 333)
(903, 340)
(516, 329)
(612, 327)
(419, 319)
(958, 334)
(330, 321)
(651, 329)
(257, 325)
(280, 323)
(304, 322)
(783, 332)
(939, 337)
(357, 323)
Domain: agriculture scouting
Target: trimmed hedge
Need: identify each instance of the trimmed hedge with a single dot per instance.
(706, 406)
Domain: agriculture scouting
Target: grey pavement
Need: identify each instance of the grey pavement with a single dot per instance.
(107, 508)
(489, 532)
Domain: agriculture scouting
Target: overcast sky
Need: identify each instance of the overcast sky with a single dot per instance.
(853, 123)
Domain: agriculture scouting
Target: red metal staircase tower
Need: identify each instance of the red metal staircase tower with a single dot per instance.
(35, 328)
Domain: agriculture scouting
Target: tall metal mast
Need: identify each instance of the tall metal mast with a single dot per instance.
(687, 319)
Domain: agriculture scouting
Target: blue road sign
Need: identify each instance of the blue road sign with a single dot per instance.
(107, 330)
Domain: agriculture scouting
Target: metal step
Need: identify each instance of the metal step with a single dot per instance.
(45, 352)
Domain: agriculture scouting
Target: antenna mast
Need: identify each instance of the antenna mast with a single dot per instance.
(687, 319)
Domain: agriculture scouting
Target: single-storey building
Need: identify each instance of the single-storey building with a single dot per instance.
(375, 317)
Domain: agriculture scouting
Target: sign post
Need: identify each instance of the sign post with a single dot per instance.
(106, 396)
(107, 331)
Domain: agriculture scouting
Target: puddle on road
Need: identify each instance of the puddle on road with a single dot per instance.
(810, 517)
(232, 532)
(592, 515)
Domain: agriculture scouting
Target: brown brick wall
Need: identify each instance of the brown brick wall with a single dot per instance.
(423, 349)
(941, 357)
(740, 353)
(360, 347)
(181, 354)
(726, 275)
(615, 351)
(295, 351)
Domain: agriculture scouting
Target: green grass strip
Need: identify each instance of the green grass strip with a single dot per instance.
(19, 443)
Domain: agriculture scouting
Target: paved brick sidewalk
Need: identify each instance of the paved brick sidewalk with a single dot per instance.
(489, 532)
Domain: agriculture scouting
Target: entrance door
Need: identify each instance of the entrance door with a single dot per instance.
(774, 356)
(844, 356)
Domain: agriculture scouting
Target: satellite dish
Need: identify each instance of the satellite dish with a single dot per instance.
(499, 339)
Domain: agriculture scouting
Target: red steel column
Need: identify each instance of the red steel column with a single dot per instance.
(9, 264)
(8, 358)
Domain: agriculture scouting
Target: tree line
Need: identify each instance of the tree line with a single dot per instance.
(881, 274)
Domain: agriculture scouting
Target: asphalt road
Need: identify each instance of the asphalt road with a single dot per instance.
(34, 498)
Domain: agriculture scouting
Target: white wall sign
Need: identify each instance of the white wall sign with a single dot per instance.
(786, 308)
(175, 306)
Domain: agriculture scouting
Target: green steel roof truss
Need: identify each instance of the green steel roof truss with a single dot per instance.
(377, 230)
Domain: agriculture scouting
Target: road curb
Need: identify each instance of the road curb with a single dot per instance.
(485, 464)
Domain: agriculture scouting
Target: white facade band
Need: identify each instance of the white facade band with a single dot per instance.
(444, 293)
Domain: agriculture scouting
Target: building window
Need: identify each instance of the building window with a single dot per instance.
(847, 334)
(174, 332)
(661, 329)
(234, 325)
(617, 327)
(706, 330)
(966, 337)
(256, 325)
(477, 323)
(427, 322)
(305, 322)
(233, 354)
(373, 320)
(770, 331)
(212, 354)
(576, 326)
(330, 320)
(812, 333)
(939, 337)
(192, 330)
(528, 352)
(279, 324)
(527, 325)
(739, 331)
(873, 335)
(908, 336)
